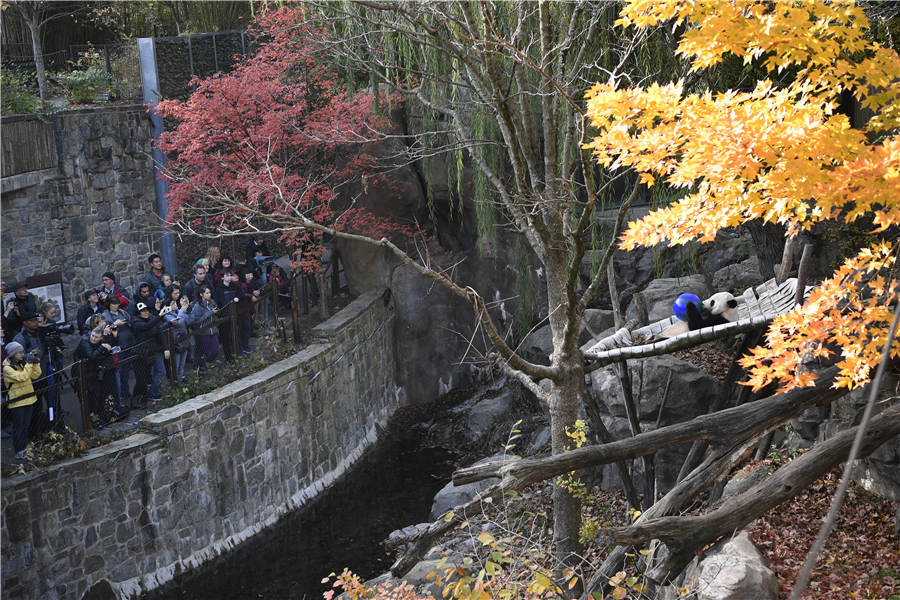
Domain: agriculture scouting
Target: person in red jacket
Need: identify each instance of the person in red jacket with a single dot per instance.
(111, 288)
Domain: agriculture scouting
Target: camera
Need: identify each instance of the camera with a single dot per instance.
(113, 327)
(32, 358)
(50, 334)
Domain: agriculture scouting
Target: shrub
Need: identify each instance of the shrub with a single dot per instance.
(89, 81)
(19, 93)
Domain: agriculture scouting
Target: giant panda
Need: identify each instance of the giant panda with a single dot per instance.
(718, 309)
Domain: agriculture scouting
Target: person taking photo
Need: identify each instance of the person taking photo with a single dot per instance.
(19, 371)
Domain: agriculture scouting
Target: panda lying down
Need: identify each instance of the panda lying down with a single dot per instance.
(718, 309)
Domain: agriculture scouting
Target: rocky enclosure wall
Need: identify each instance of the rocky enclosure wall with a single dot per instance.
(83, 203)
(204, 475)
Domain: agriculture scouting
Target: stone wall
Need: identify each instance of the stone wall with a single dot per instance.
(92, 211)
(204, 475)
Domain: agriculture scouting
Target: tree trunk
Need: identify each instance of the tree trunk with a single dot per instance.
(34, 27)
(725, 427)
(564, 406)
(768, 240)
(566, 508)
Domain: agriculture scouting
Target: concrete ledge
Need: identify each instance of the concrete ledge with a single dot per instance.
(110, 451)
(24, 180)
(326, 330)
(205, 475)
(103, 108)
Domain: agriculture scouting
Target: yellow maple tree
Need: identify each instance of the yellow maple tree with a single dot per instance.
(780, 153)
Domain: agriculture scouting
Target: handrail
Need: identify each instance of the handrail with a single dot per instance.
(75, 374)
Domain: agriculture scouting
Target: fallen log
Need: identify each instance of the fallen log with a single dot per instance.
(684, 535)
(723, 428)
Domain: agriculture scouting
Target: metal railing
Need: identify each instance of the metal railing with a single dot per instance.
(78, 374)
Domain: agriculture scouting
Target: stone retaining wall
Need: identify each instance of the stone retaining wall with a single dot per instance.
(204, 475)
(84, 203)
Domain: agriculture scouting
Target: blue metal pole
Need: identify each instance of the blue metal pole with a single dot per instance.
(150, 82)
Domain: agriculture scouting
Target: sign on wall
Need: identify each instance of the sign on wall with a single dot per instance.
(48, 288)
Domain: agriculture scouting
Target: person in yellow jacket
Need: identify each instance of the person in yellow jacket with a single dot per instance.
(18, 373)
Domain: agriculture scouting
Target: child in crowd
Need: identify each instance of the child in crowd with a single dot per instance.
(19, 372)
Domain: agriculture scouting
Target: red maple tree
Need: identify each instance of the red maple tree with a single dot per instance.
(272, 143)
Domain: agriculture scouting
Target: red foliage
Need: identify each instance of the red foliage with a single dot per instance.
(861, 557)
(271, 143)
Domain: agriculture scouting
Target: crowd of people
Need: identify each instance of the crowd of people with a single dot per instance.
(123, 334)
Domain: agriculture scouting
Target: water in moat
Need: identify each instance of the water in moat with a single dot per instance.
(390, 487)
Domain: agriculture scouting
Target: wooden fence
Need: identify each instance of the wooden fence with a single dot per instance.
(41, 146)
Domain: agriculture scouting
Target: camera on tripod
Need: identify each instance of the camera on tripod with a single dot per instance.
(50, 334)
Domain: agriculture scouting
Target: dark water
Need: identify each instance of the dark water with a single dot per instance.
(389, 488)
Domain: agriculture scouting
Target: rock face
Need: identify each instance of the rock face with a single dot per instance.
(451, 495)
(880, 471)
(737, 277)
(734, 570)
(660, 294)
(690, 393)
(489, 413)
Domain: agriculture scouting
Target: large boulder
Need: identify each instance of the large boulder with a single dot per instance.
(490, 413)
(451, 495)
(660, 294)
(733, 570)
(880, 471)
(737, 277)
(689, 394)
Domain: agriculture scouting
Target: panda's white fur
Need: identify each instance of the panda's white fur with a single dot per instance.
(722, 303)
(719, 308)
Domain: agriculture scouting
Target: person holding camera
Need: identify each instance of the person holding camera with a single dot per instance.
(176, 317)
(94, 351)
(120, 325)
(31, 339)
(22, 303)
(19, 370)
(202, 313)
(151, 369)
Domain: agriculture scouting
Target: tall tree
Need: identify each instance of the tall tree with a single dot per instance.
(270, 144)
(36, 14)
(500, 86)
(779, 153)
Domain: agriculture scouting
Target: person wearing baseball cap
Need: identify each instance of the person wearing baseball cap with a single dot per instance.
(21, 303)
(150, 369)
(19, 371)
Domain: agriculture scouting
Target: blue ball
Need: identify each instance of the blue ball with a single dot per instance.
(679, 307)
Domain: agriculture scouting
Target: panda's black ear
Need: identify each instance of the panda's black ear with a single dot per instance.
(732, 303)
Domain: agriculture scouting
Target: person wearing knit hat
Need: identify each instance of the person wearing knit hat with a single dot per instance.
(110, 288)
(19, 373)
